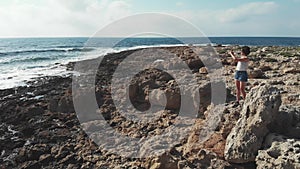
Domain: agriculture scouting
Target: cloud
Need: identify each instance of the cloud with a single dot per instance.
(250, 19)
(246, 11)
(59, 18)
(150, 24)
(179, 4)
(31, 18)
(117, 9)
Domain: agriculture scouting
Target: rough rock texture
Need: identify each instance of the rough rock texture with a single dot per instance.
(203, 70)
(168, 97)
(279, 152)
(39, 128)
(165, 161)
(287, 122)
(246, 138)
(256, 73)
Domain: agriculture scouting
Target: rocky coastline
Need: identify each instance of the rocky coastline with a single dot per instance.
(39, 127)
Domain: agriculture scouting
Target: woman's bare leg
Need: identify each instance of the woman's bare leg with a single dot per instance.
(238, 91)
(243, 84)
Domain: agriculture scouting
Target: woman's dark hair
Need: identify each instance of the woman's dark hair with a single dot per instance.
(246, 50)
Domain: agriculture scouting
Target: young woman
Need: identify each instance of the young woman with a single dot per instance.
(241, 76)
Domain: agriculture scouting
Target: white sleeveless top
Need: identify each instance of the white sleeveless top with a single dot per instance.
(242, 66)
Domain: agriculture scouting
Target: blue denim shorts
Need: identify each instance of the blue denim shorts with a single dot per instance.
(241, 76)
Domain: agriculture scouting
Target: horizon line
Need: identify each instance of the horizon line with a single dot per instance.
(213, 36)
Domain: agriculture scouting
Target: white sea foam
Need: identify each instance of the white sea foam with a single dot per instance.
(17, 74)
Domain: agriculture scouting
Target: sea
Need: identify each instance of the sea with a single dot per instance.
(25, 59)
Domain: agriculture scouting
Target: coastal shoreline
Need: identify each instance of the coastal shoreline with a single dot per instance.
(39, 126)
(35, 57)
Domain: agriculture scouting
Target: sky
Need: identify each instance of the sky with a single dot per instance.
(83, 18)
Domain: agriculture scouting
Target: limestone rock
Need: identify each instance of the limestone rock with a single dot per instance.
(265, 68)
(34, 110)
(291, 70)
(245, 139)
(65, 105)
(52, 106)
(133, 90)
(292, 98)
(203, 70)
(256, 73)
(287, 122)
(168, 97)
(195, 63)
(171, 98)
(32, 136)
(201, 134)
(279, 152)
(174, 65)
(165, 161)
(207, 159)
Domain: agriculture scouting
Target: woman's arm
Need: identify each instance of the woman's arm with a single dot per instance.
(231, 53)
(244, 59)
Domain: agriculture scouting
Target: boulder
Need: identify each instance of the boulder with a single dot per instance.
(256, 73)
(270, 59)
(259, 110)
(208, 159)
(265, 68)
(133, 90)
(291, 70)
(287, 122)
(203, 70)
(52, 105)
(165, 161)
(195, 63)
(65, 105)
(292, 98)
(166, 98)
(279, 152)
(174, 65)
(34, 111)
(265, 49)
(226, 61)
(202, 136)
(171, 98)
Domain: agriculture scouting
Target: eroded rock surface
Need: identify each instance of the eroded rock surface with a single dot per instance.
(260, 109)
(40, 129)
(279, 152)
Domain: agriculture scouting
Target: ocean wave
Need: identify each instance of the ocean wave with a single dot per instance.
(69, 46)
(3, 54)
(55, 50)
(26, 60)
(36, 66)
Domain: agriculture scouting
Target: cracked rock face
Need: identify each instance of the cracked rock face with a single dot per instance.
(279, 152)
(287, 122)
(246, 138)
(40, 129)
